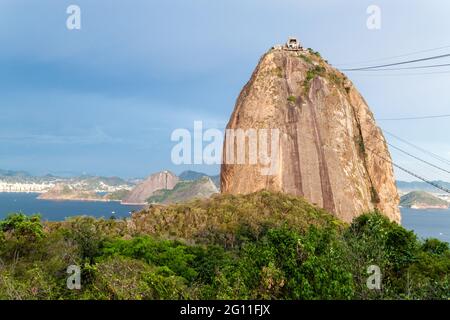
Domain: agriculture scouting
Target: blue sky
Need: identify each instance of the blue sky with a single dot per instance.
(105, 99)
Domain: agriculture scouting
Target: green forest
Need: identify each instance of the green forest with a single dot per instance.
(259, 246)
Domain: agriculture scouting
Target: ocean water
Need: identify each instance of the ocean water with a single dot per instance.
(28, 203)
(431, 223)
(425, 223)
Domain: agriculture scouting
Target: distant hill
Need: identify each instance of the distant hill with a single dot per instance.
(422, 200)
(11, 173)
(21, 181)
(184, 191)
(63, 192)
(95, 183)
(146, 189)
(194, 175)
(225, 217)
(421, 186)
(23, 176)
(118, 195)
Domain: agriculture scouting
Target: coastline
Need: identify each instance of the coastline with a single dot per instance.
(26, 192)
(60, 210)
(55, 199)
(420, 207)
(77, 200)
(133, 204)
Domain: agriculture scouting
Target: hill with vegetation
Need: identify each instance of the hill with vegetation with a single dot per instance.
(164, 180)
(185, 191)
(118, 195)
(190, 175)
(258, 246)
(422, 199)
(18, 181)
(67, 193)
(63, 192)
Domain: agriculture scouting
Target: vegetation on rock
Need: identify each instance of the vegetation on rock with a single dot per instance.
(118, 195)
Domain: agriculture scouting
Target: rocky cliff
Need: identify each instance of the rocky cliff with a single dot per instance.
(158, 181)
(331, 151)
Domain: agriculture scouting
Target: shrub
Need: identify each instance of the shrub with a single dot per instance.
(316, 53)
(305, 58)
(311, 74)
(292, 99)
(162, 253)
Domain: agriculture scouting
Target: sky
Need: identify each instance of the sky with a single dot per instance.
(105, 99)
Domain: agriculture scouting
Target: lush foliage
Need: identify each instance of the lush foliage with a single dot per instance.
(117, 195)
(260, 246)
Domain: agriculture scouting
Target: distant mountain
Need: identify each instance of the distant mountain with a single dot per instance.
(421, 186)
(185, 190)
(11, 173)
(117, 188)
(62, 192)
(21, 181)
(422, 200)
(194, 175)
(145, 189)
(95, 183)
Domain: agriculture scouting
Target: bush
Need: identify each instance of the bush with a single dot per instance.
(173, 256)
(20, 235)
(22, 226)
(292, 99)
(311, 74)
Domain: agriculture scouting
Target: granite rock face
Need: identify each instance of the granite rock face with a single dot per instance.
(331, 151)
